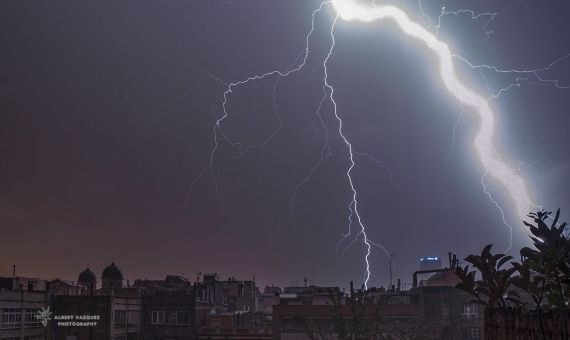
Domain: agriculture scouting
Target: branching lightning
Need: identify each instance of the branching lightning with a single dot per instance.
(530, 76)
(484, 147)
(474, 16)
(383, 166)
(354, 202)
(470, 101)
(218, 131)
(454, 134)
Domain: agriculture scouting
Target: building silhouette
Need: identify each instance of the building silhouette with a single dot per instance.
(176, 308)
(112, 277)
(88, 279)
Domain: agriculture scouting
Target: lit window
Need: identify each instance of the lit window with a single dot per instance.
(470, 310)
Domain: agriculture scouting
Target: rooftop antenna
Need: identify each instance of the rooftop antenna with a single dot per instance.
(13, 277)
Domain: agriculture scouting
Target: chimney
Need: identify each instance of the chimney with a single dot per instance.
(450, 263)
(455, 262)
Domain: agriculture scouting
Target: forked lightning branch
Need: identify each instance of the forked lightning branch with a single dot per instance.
(492, 163)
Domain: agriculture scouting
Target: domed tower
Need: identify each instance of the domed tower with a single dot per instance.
(88, 279)
(112, 277)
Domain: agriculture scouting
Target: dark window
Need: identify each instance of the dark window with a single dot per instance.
(157, 317)
(471, 333)
(120, 318)
(182, 318)
(171, 318)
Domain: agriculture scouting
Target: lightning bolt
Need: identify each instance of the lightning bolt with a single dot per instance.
(218, 131)
(491, 162)
(530, 76)
(353, 205)
(328, 93)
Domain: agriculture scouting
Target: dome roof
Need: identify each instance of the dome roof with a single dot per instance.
(87, 276)
(112, 272)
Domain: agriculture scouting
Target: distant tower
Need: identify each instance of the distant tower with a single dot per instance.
(430, 263)
(112, 277)
(88, 279)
